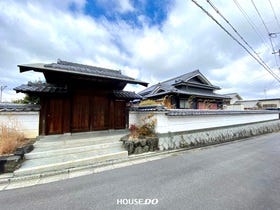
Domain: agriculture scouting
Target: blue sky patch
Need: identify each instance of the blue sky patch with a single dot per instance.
(154, 12)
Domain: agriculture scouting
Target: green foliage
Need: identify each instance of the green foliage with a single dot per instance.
(28, 99)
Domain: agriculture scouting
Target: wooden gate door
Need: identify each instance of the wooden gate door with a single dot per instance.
(120, 115)
(80, 113)
(54, 121)
(100, 113)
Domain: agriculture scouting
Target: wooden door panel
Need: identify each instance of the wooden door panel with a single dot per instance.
(120, 115)
(54, 116)
(100, 113)
(80, 113)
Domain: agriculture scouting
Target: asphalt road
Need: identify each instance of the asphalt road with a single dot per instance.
(240, 175)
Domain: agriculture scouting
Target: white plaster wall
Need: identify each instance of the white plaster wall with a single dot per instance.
(26, 122)
(167, 123)
(196, 122)
(234, 107)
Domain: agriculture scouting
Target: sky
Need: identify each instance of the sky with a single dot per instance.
(151, 40)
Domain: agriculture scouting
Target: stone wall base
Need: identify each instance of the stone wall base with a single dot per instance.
(178, 140)
(138, 146)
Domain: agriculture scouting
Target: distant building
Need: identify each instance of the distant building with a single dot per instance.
(272, 103)
(230, 104)
(188, 91)
(249, 104)
(233, 97)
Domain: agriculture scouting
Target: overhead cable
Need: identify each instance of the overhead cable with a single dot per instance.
(251, 23)
(266, 28)
(275, 16)
(235, 39)
(239, 35)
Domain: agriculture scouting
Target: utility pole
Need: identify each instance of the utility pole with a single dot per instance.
(274, 35)
(277, 52)
(2, 87)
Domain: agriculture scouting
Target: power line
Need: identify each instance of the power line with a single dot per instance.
(266, 28)
(223, 17)
(241, 37)
(251, 23)
(276, 19)
(263, 65)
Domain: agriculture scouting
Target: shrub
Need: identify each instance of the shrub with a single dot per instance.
(146, 129)
(10, 139)
(148, 102)
(134, 131)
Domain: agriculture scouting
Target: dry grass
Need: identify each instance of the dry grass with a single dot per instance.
(10, 139)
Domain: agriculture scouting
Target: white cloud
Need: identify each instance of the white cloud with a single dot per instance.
(42, 31)
(125, 6)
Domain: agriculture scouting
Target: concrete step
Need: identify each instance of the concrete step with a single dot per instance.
(54, 163)
(69, 149)
(79, 143)
(84, 135)
(71, 142)
(63, 152)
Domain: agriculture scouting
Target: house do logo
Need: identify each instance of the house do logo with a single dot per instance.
(137, 201)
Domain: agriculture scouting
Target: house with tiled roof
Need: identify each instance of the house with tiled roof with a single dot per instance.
(79, 98)
(233, 97)
(188, 91)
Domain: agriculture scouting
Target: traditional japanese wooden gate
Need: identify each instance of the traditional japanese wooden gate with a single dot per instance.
(89, 113)
(82, 113)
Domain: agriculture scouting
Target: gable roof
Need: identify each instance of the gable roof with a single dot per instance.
(192, 79)
(80, 69)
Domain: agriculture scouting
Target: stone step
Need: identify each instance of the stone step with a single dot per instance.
(70, 149)
(55, 163)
